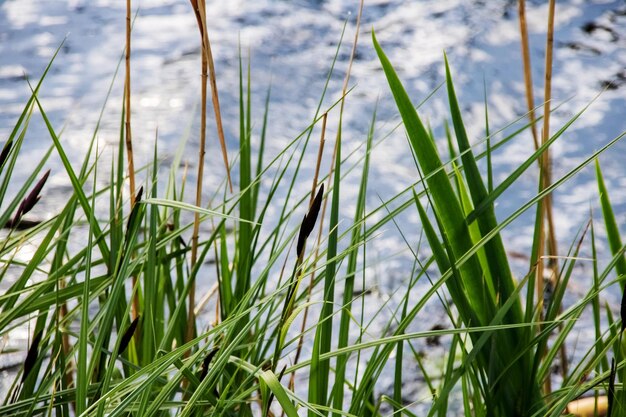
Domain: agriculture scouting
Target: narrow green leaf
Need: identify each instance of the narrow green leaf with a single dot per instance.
(269, 378)
(612, 231)
(446, 204)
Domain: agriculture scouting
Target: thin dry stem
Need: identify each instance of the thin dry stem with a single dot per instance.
(320, 153)
(129, 137)
(544, 162)
(548, 76)
(546, 214)
(208, 72)
(530, 102)
(205, 299)
(198, 8)
(206, 45)
(545, 182)
(528, 78)
(127, 125)
(547, 166)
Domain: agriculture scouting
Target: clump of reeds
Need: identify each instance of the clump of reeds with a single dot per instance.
(159, 362)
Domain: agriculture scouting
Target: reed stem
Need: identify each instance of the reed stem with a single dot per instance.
(129, 138)
(528, 77)
(198, 9)
(547, 166)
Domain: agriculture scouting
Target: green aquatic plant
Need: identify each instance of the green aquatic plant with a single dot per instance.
(90, 356)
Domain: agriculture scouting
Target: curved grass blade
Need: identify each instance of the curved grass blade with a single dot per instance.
(612, 231)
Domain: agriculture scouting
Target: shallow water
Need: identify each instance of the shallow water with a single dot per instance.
(291, 46)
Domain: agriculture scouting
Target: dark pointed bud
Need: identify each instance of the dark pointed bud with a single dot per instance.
(128, 334)
(206, 362)
(29, 203)
(5, 152)
(31, 199)
(308, 223)
(31, 356)
(133, 212)
(139, 194)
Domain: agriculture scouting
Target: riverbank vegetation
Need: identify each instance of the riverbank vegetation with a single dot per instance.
(279, 277)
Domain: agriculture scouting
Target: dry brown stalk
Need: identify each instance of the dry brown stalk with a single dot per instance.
(547, 166)
(528, 78)
(129, 138)
(320, 153)
(208, 70)
(546, 213)
(530, 102)
(199, 8)
(201, 152)
(205, 298)
(545, 158)
(544, 162)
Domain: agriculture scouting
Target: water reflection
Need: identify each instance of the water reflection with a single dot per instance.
(291, 46)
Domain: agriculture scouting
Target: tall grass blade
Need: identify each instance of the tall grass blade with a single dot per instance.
(320, 368)
(497, 260)
(348, 289)
(77, 186)
(444, 199)
(612, 231)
